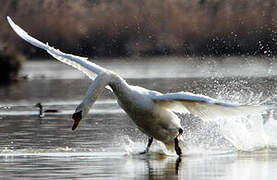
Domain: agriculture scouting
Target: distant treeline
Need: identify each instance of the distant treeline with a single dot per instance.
(118, 28)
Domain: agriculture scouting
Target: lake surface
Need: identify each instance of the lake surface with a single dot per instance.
(106, 144)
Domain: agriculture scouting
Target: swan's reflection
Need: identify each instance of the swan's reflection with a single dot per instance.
(111, 165)
(247, 165)
(186, 167)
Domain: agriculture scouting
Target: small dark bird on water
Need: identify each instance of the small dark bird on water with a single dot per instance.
(42, 112)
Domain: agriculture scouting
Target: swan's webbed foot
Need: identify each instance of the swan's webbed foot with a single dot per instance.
(176, 142)
(150, 140)
(143, 152)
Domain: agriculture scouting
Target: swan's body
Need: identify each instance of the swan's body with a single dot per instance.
(151, 118)
(151, 111)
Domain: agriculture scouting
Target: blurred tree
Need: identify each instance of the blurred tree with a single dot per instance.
(10, 64)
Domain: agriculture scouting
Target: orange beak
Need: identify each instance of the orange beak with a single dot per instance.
(77, 118)
(76, 123)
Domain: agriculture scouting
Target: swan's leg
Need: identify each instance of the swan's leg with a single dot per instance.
(176, 142)
(150, 140)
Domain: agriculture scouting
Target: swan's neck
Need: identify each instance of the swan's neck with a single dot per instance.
(118, 85)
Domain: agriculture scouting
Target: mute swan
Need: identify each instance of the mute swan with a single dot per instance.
(42, 112)
(152, 111)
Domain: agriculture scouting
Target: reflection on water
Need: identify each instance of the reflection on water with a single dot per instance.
(117, 166)
(106, 144)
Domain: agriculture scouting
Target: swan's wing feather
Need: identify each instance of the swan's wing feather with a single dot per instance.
(75, 62)
(80, 63)
(206, 108)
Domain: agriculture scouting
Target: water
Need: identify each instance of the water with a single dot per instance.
(106, 145)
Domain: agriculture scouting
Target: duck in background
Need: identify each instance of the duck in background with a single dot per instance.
(42, 111)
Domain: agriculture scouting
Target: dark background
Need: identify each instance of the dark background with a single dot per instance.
(120, 28)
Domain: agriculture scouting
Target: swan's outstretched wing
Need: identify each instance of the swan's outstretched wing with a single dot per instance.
(80, 63)
(206, 108)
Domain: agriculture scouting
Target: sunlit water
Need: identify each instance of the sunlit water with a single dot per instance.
(106, 145)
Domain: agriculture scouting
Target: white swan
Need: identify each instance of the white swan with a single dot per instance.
(151, 111)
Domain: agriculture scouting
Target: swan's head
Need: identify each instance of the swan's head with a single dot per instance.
(77, 116)
(80, 112)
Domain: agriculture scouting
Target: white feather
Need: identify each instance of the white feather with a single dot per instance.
(206, 108)
(80, 63)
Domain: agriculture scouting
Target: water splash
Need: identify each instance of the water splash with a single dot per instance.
(246, 133)
(131, 147)
(255, 131)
